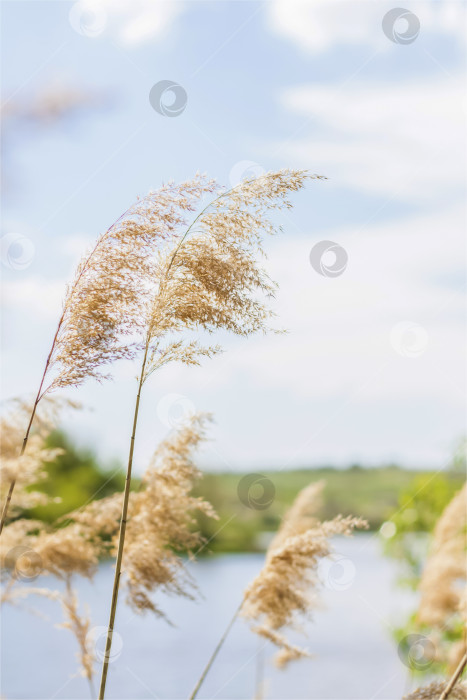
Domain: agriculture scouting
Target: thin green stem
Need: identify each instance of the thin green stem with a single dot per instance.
(121, 537)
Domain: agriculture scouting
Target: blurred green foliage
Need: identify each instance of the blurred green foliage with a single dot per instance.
(76, 477)
(420, 505)
(373, 493)
(73, 479)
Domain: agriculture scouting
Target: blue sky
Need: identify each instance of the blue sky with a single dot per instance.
(372, 368)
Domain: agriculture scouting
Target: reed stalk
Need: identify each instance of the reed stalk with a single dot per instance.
(126, 498)
(259, 677)
(126, 495)
(455, 677)
(203, 317)
(40, 394)
(214, 654)
(6, 505)
(121, 536)
(282, 588)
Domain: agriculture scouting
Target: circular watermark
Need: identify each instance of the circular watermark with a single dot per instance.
(245, 170)
(416, 651)
(336, 572)
(24, 563)
(88, 18)
(256, 491)
(96, 642)
(17, 251)
(409, 339)
(328, 258)
(175, 409)
(168, 98)
(401, 26)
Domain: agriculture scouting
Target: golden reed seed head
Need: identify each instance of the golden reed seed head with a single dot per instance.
(211, 279)
(288, 585)
(443, 581)
(29, 469)
(103, 304)
(79, 626)
(301, 516)
(146, 279)
(162, 520)
(161, 525)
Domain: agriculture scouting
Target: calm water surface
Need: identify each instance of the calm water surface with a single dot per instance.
(355, 657)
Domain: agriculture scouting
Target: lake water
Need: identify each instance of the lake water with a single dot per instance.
(355, 656)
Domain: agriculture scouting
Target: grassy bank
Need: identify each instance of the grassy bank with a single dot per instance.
(373, 493)
(75, 477)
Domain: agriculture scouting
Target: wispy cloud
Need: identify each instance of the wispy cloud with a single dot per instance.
(130, 22)
(402, 140)
(322, 25)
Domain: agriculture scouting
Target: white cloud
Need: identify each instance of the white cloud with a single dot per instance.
(139, 21)
(35, 295)
(401, 140)
(320, 25)
(131, 22)
(340, 341)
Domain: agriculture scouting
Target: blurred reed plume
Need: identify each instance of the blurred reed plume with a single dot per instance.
(161, 522)
(287, 587)
(27, 550)
(289, 582)
(30, 469)
(102, 306)
(161, 528)
(205, 277)
(442, 605)
(301, 516)
(79, 625)
(435, 690)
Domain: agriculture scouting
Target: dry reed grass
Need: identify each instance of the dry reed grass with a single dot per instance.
(286, 589)
(443, 584)
(206, 278)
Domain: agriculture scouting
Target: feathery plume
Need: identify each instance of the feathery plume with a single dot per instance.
(442, 607)
(79, 626)
(301, 516)
(27, 551)
(102, 309)
(288, 584)
(102, 306)
(207, 278)
(446, 569)
(30, 469)
(161, 519)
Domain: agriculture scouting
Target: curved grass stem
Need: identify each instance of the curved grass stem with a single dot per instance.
(215, 653)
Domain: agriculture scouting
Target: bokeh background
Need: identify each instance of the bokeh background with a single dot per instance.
(367, 388)
(372, 369)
